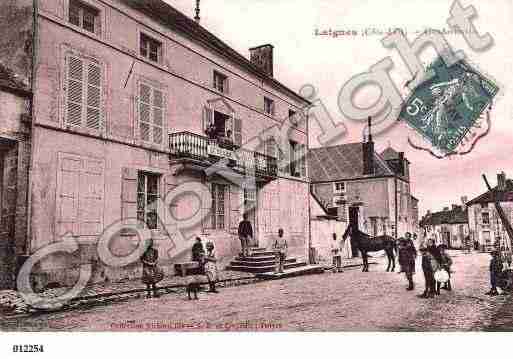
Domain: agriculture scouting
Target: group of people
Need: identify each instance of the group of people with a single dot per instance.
(280, 245)
(206, 266)
(436, 265)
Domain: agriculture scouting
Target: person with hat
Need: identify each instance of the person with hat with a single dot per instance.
(407, 256)
(495, 272)
(427, 269)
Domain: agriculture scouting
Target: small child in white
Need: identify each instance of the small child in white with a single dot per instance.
(280, 249)
(336, 254)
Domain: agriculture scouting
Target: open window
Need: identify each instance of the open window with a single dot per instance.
(84, 16)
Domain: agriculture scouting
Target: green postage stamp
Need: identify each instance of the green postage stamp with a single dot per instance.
(446, 106)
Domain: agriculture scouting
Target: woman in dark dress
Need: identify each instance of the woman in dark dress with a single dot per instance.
(152, 274)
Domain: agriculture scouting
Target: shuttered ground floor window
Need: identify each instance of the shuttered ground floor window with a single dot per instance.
(218, 206)
(147, 198)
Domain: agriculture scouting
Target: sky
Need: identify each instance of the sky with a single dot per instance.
(328, 63)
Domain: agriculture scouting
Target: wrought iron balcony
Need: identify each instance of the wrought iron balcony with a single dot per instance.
(188, 145)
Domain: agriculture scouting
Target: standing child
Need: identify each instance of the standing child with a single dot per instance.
(211, 267)
(280, 250)
(151, 274)
(336, 254)
(445, 263)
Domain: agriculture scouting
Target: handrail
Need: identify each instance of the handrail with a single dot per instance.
(187, 144)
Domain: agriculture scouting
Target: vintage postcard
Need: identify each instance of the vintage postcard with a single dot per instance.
(255, 166)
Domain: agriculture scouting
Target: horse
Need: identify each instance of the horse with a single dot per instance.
(365, 243)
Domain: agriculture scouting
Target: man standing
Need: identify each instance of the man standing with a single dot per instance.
(407, 256)
(245, 234)
(427, 269)
(280, 247)
(495, 272)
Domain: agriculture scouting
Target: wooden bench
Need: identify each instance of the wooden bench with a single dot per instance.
(186, 268)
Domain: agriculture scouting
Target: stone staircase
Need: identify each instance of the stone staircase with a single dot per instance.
(262, 263)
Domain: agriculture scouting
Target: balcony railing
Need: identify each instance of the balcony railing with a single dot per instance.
(195, 147)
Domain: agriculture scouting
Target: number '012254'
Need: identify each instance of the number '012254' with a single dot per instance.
(28, 348)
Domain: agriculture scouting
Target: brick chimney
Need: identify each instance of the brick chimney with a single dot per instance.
(368, 153)
(262, 57)
(501, 181)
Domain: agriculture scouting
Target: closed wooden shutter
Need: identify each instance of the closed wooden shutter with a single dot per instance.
(80, 189)
(144, 112)
(129, 193)
(237, 131)
(207, 118)
(302, 160)
(270, 147)
(283, 165)
(84, 93)
(68, 195)
(75, 91)
(235, 205)
(207, 211)
(94, 97)
(158, 116)
(91, 198)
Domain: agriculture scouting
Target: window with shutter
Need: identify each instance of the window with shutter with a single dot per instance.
(84, 93)
(237, 131)
(151, 114)
(94, 82)
(84, 16)
(207, 118)
(80, 195)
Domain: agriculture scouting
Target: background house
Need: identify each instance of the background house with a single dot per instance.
(449, 227)
(486, 228)
(372, 191)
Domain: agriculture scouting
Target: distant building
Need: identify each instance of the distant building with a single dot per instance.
(486, 228)
(449, 227)
(365, 188)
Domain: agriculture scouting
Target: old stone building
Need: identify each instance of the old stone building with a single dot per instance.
(365, 188)
(16, 26)
(136, 109)
(449, 227)
(486, 229)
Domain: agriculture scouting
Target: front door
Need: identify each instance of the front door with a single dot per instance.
(353, 222)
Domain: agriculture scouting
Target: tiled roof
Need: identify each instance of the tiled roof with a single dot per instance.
(505, 195)
(174, 19)
(452, 216)
(342, 162)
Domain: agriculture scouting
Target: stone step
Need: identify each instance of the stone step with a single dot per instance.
(250, 263)
(305, 269)
(259, 253)
(263, 269)
(256, 259)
